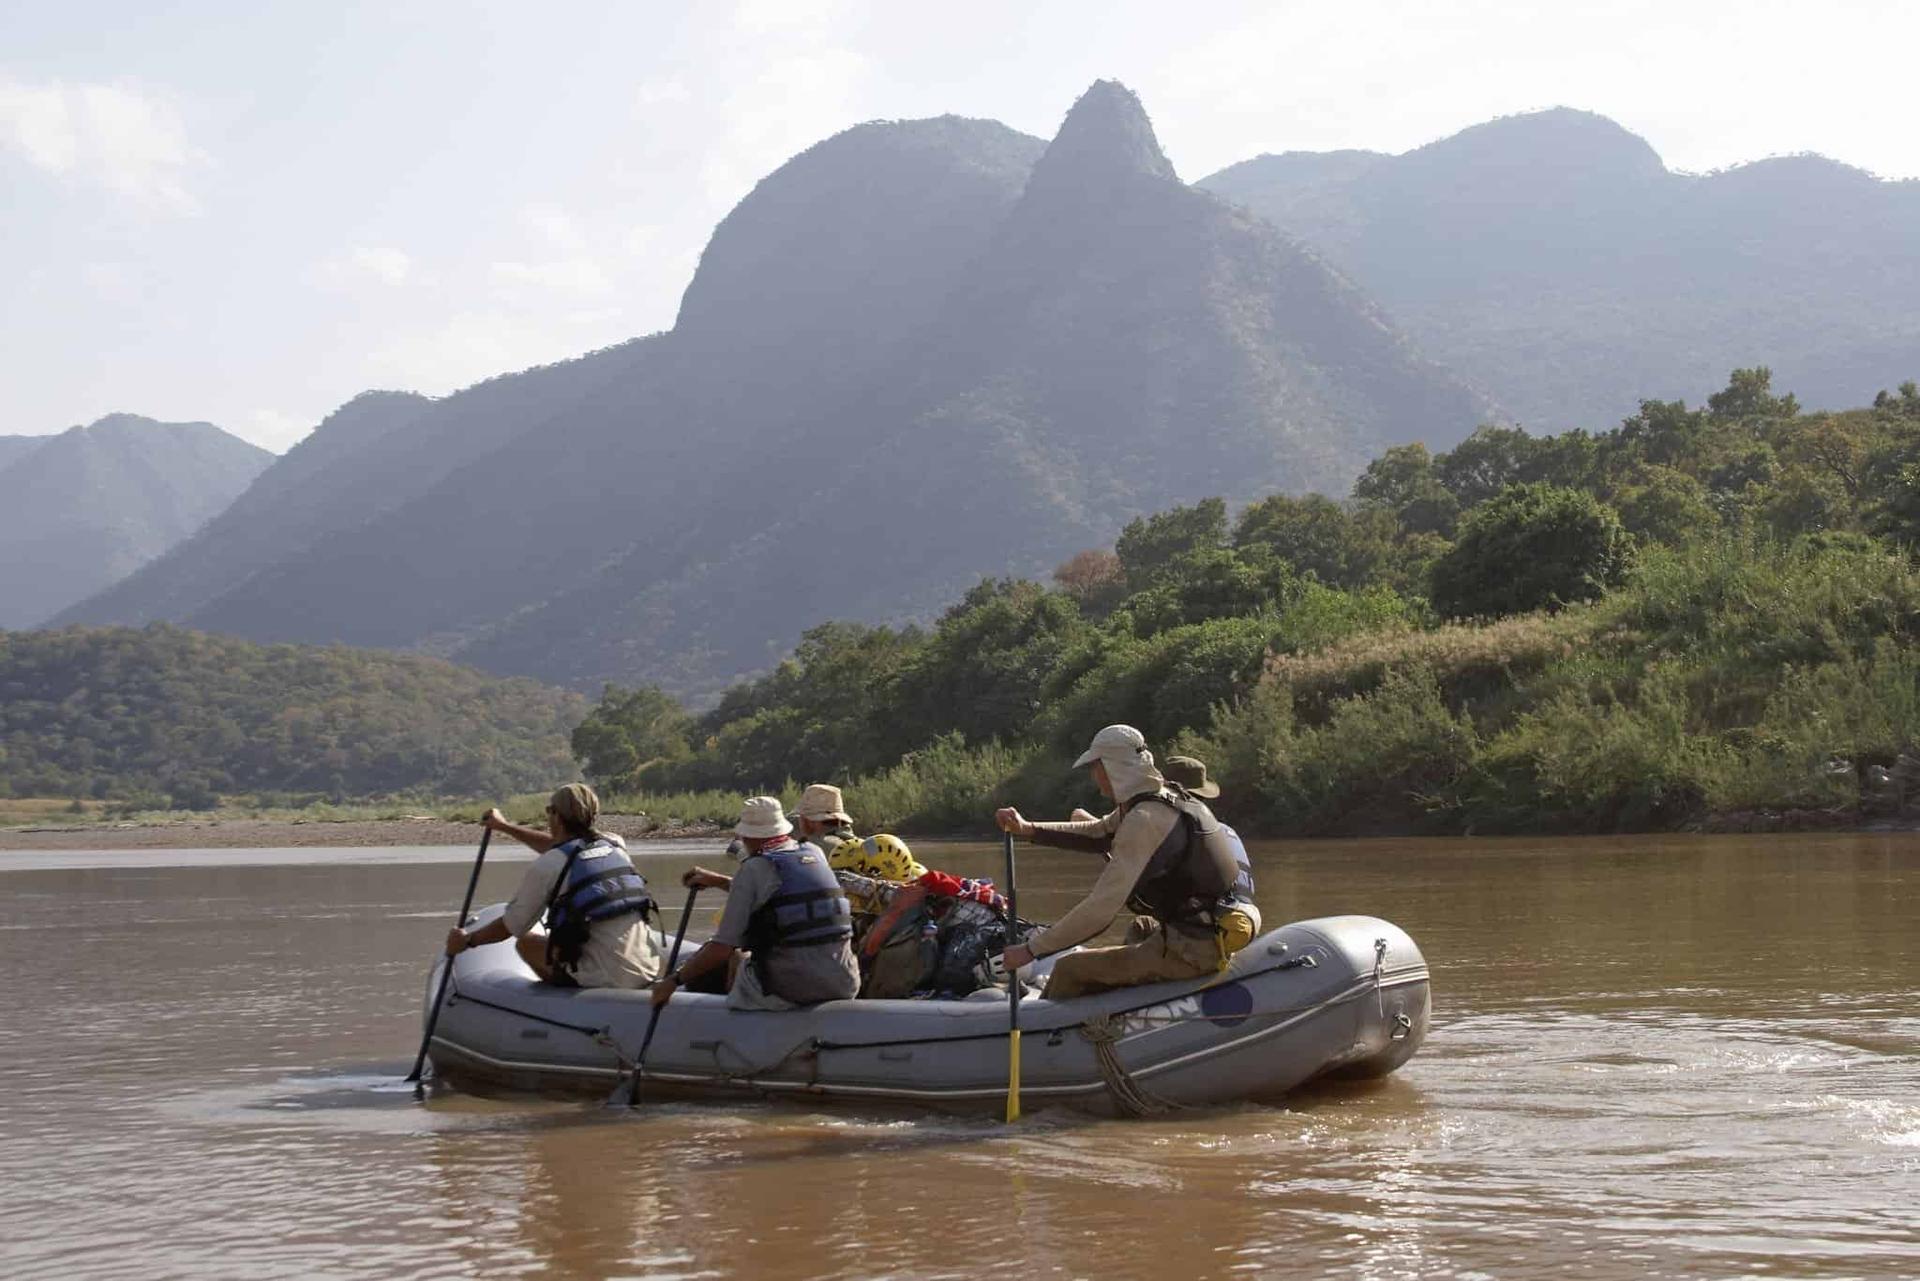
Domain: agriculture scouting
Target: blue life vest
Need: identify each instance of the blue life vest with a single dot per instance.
(808, 909)
(1243, 883)
(597, 883)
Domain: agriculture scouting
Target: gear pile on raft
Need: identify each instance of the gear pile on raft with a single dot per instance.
(842, 967)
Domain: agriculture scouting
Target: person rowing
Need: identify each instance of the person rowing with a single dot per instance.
(1171, 861)
(585, 889)
(785, 909)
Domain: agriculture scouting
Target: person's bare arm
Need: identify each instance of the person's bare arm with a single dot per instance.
(745, 892)
(711, 956)
(535, 839)
(494, 931)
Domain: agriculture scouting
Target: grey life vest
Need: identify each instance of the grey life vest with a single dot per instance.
(808, 910)
(1193, 872)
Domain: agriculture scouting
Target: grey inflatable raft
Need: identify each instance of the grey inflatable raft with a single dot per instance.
(1341, 995)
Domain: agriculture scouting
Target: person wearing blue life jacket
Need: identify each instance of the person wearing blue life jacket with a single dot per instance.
(786, 910)
(584, 887)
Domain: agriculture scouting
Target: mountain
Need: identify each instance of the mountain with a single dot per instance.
(917, 353)
(88, 506)
(1554, 259)
(14, 448)
(154, 712)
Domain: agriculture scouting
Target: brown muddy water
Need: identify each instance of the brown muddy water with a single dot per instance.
(1672, 1057)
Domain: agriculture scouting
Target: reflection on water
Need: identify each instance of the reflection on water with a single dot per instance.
(1649, 1057)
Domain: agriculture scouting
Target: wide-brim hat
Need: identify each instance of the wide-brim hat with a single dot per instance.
(1114, 740)
(1190, 773)
(762, 819)
(822, 802)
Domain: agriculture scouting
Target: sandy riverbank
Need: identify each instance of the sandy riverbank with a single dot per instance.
(260, 833)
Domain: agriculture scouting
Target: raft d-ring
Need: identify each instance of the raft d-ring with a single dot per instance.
(1402, 1026)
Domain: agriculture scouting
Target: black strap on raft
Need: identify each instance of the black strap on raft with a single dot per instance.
(529, 1015)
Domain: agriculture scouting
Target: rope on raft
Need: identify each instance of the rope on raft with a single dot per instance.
(1104, 1032)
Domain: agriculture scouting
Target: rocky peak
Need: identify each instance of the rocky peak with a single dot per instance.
(1106, 142)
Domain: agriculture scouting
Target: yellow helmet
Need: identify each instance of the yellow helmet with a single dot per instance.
(884, 858)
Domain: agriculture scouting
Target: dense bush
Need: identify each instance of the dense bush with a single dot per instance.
(1531, 547)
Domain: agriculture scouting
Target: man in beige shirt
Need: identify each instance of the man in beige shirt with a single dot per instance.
(1173, 869)
(619, 949)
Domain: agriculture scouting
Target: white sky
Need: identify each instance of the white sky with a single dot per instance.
(248, 212)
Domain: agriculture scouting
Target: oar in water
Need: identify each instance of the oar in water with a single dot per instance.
(673, 959)
(1013, 992)
(433, 1015)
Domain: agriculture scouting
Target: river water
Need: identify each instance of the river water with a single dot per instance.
(1649, 1057)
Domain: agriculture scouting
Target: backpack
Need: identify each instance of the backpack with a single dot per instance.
(898, 952)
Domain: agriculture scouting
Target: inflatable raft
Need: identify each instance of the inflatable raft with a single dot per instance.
(1342, 995)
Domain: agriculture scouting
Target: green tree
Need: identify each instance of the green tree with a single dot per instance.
(1149, 543)
(1210, 583)
(1663, 432)
(1748, 397)
(982, 670)
(1668, 506)
(628, 730)
(1531, 547)
(1315, 535)
(1402, 481)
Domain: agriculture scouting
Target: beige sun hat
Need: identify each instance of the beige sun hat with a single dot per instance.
(822, 802)
(1113, 742)
(762, 818)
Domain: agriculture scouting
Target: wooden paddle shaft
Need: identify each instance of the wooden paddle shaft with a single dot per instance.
(446, 974)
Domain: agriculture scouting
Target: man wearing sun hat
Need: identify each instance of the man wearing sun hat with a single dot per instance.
(786, 910)
(820, 817)
(1189, 774)
(1169, 860)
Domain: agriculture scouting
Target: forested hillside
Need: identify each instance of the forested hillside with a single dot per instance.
(918, 353)
(1702, 612)
(1556, 261)
(82, 509)
(162, 715)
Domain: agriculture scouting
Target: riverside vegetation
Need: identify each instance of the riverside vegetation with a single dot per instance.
(124, 720)
(1703, 612)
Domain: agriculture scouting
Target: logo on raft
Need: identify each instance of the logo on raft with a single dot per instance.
(1226, 1005)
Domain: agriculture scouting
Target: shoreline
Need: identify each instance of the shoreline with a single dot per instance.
(264, 833)
(431, 830)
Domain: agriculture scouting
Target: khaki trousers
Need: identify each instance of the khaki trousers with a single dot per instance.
(1151, 954)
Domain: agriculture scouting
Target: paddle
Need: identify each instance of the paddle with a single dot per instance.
(1013, 992)
(446, 974)
(673, 959)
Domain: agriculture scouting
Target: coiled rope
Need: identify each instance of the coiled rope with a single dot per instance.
(1104, 1032)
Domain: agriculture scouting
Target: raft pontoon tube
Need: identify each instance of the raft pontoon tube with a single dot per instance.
(1340, 995)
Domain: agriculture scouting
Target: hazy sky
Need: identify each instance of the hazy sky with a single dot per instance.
(249, 212)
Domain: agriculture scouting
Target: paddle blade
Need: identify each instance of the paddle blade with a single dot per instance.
(1013, 1076)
